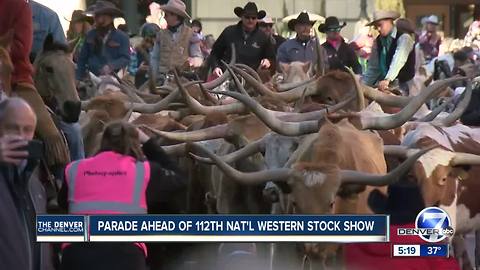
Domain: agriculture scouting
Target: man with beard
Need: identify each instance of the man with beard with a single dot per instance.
(106, 49)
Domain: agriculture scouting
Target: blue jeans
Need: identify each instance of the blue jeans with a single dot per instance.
(74, 139)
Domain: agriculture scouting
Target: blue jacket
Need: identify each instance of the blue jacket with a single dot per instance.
(45, 21)
(293, 50)
(114, 53)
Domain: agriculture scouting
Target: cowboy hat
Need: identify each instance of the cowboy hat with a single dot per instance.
(267, 20)
(405, 25)
(104, 8)
(433, 19)
(79, 16)
(176, 7)
(379, 15)
(302, 18)
(331, 23)
(401, 211)
(250, 9)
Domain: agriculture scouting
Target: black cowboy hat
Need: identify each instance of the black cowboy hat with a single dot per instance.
(302, 18)
(403, 203)
(104, 8)
(331, 23)
(250, 9)
(79, 16)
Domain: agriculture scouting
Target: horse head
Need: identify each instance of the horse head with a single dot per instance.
(55, 80)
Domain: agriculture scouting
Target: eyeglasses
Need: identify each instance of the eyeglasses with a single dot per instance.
(250, 17)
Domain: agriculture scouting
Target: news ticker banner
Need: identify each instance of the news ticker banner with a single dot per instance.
(430, 250)
(213, 228)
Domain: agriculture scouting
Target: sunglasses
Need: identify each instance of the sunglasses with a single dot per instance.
(250, 17)
(335, 30)
(266, 25)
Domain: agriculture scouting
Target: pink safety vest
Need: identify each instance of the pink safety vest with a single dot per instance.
(108, 183)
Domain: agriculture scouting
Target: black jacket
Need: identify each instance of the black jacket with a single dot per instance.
(344, 57)
(22, 197)
(249, 50)
(471, 116)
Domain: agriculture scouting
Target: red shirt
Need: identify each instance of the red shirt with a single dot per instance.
(17, 15)
(376, 256)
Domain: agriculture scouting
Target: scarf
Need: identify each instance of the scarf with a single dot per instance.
(174, 28)
(335, 43)
(386, 43)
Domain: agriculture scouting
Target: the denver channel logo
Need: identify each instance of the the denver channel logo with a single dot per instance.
(432, 225)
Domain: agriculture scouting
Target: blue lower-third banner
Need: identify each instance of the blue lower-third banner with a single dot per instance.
(216, 228)
(61, 228)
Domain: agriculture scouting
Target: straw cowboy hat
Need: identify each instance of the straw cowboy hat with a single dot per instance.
(331, 23)
(104, 8)
(383, 15)
(267, 20)
(302, 18)
(250, 9)
(176, 7)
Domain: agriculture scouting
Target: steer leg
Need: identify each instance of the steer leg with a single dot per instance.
(459, 247)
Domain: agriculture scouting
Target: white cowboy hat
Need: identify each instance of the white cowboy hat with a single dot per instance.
(177, 7)
(379, 15)
(267, 20)
(433, 19)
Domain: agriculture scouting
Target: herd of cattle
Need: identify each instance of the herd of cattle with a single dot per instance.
(302, 144)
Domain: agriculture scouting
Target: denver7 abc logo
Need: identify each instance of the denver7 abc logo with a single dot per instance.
(432, 225)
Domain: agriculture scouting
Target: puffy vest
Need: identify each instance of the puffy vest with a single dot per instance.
(108, 183)
(408, 70)
(173, 53)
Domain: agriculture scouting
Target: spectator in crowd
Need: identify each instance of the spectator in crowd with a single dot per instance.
(303, 47)
(472, 38)
(106, 49)
(198, 39)
(22, 194)
(429, 40)
(80, 24)
(17, 16)
(252, 46)
(45, 21)
(362, 45)
(393, 55)
(340, 54)
(266, 25)
(207, 45)
(174, 46)
(87, 183)
(140, 57)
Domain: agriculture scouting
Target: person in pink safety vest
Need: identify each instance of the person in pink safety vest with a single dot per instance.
(121, 178)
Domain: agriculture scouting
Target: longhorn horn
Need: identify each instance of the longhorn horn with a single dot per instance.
(239, 86)
(279, 126)
(355, 177)
(358, 90)
(290, 86)
(175, 150)
(465, 159)
(246, 151)
(216, 132)
(259, 87)
(398, 119)
(218, 81)
(429, 117)
(460, 109)
(250, 71)
(250, 178)
(155, 107)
